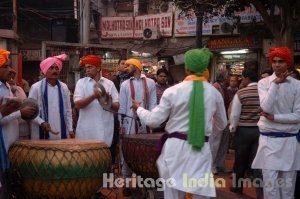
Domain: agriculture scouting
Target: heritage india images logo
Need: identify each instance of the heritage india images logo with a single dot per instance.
(207, 180)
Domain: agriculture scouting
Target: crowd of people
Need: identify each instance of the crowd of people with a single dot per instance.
(259, 114)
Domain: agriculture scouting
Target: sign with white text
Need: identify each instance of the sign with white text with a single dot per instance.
(163, 21)
(116, 27)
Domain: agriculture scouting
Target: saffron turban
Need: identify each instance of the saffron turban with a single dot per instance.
(3, 56)
(197, 60)
(94, 60)
(135, 62)
(282, 52)
(47, 63)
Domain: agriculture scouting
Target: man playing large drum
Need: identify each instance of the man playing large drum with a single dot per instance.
(8, 119)
(193, 107)
(138, 87)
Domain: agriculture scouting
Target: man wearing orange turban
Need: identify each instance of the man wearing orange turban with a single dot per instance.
(278, 150)
(140, 88)
(3, 57)
(91, 60)
(9, 131)
(53, 97)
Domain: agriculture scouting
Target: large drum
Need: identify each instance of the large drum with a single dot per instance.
(139, 151)
(64, 169)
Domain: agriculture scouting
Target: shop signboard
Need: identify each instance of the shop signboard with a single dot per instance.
(232, 42)
(186, 26)
(133, 27)
(116, 27)
(163, 21)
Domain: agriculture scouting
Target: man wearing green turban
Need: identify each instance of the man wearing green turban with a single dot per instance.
(185, 154)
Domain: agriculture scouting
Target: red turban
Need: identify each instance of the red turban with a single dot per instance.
(94, 60)
(282, 52)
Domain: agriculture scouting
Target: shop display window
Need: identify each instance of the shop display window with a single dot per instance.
(234, 63)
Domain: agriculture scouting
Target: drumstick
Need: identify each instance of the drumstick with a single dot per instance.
(53, 132)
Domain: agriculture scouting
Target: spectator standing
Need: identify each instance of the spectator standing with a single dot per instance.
(161, 82)
(243, 120)
(278, 148)
(17, 91)
(229, 92)
(266, 73)
(221, 85)
(122, 74)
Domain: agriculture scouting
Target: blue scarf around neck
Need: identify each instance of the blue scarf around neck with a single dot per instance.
(43, 134)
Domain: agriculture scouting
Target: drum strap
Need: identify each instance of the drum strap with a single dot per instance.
(145, 100)
(3, 155)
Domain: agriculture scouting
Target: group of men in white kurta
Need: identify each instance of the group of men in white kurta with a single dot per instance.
(192, 107)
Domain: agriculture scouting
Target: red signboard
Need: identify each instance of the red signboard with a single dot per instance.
(163, 21)
(231, 42)
(129, 27)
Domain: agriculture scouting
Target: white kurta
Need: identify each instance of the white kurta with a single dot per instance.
(53, 109)
(282, 100)
(177, 159)
(94, 122)
(126, 102)
(9, 123)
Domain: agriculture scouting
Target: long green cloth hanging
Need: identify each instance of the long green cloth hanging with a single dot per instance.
(196, 132)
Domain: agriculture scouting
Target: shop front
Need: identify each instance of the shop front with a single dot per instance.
(230, 53)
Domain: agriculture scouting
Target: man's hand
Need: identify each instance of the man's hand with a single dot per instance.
(45, 126)
(135, 105)
(282, 77)
(9, 107)
(27, 111)
(267, 115)
(97, 93)
(71, 134)
(122, 131)
(232, 129)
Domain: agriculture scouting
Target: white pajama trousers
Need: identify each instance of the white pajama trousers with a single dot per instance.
(279, 184)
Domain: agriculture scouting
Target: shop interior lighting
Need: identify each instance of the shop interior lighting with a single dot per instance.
(242, 51)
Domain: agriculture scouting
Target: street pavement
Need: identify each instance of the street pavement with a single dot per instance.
(222, 193)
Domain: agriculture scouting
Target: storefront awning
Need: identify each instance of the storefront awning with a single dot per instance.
(166, 47)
